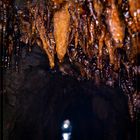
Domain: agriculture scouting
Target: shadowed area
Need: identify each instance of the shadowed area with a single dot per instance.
(37, 101)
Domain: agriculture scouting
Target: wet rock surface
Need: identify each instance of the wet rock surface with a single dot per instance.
(37, 101)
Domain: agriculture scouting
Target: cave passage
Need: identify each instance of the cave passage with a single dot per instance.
(74, 60)
(37, 100)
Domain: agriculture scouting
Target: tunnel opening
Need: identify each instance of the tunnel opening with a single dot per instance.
(71, 60)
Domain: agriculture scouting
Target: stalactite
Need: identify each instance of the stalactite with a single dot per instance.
(102, 39)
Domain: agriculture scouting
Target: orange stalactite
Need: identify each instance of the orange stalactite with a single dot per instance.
(61, 22)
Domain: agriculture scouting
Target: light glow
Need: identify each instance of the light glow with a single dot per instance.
(66, 136)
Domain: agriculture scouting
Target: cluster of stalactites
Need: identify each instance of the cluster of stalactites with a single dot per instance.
(101, 38)
(9, 34)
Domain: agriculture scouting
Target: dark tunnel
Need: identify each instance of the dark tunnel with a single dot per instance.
(40, 100)
(70, 69)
